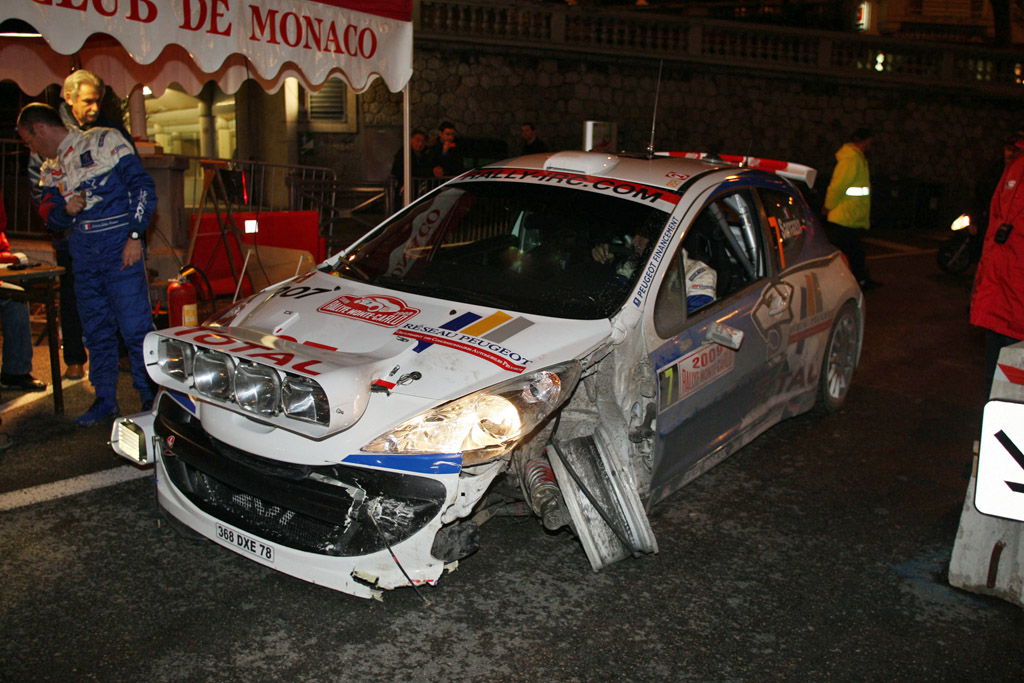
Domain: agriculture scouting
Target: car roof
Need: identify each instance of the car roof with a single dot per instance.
(666, 170)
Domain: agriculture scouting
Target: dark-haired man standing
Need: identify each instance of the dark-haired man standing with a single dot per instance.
(95, 185)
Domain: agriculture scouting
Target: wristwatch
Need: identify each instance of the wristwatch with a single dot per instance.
(135, 234)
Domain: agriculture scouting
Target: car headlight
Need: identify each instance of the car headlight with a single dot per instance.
(257, 388)
(175, 358)
(213, 374)
(304, 399)
(485, 424)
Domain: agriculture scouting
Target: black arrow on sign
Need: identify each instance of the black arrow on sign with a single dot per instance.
(1016, 454)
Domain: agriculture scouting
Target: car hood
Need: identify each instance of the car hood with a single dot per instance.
(351, 337)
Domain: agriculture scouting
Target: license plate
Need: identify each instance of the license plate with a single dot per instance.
(251, 546)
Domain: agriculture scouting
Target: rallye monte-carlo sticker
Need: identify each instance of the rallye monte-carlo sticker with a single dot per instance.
(693, 372)
(379, 309)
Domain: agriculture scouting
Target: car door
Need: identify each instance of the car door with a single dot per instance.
(795, 378)
(712, 363)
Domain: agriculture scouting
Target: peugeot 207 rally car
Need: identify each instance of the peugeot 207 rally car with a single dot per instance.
(526, 322)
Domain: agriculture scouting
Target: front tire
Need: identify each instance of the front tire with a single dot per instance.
(840, 359)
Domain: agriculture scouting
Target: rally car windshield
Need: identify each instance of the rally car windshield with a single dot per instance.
(526, 247)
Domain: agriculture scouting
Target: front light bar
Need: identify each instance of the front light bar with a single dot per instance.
(255, 388)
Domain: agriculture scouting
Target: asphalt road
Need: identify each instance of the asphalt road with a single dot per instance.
(818, 552)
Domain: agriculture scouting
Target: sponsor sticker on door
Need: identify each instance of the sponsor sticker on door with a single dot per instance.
(693, 372)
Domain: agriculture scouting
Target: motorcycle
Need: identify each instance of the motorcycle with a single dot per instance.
(962, 249)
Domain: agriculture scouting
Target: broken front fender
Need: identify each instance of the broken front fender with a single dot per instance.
(601, 495)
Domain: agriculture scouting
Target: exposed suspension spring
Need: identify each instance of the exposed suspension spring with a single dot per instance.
(545, 496)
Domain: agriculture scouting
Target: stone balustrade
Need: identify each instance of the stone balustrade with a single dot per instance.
(834, 56)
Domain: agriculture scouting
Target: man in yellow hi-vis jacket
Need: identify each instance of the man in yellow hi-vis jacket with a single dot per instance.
(848, 203)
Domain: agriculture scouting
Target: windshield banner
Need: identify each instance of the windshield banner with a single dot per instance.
(658, 197)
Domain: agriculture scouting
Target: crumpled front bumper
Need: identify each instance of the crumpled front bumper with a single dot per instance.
(333, 525)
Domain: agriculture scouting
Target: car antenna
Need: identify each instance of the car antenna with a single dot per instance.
(743, 161)
(654, 117)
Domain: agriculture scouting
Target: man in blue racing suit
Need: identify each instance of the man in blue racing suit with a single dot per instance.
(94, 184)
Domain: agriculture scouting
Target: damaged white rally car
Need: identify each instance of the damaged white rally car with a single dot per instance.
(577, 334)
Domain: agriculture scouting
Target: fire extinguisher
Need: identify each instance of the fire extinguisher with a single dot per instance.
(181, 301)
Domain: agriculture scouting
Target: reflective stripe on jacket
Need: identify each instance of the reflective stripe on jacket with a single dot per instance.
(848, 198)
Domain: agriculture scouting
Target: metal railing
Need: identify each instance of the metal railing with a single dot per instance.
(831, 55)
(260, 185)
(251, 185)
(345, 210)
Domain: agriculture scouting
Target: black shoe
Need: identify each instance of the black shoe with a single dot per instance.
(22, 383)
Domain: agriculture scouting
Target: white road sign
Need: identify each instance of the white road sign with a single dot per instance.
(1000, 489)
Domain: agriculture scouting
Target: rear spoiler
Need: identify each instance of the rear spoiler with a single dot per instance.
(786, 169)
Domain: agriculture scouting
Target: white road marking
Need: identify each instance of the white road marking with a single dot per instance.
(71, 487)
(30, 397)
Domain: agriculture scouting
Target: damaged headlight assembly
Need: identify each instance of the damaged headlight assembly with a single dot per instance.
(304, 399)
(485, 424)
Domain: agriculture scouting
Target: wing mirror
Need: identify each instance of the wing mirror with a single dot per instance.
(729, 337)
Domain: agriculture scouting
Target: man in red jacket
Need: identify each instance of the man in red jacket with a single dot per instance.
(998, 302)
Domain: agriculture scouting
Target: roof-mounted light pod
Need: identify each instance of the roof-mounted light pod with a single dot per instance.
(587, 163)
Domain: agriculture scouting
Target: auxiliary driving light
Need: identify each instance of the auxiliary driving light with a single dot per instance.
(304, 399)
(257, 388)
(175, 358)
(131, 441)
(213, 372)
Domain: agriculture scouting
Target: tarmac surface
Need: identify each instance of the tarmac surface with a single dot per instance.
(818, 552)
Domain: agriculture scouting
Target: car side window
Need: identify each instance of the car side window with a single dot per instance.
(726, 236)
(787, 224)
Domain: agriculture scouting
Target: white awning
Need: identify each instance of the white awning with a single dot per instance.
(190, 42)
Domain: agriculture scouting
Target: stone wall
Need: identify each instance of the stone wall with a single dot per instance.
(940, 141)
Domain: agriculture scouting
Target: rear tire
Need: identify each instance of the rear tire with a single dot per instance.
(839, 361)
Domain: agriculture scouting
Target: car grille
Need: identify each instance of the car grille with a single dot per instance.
(325, 510)
(256, 515)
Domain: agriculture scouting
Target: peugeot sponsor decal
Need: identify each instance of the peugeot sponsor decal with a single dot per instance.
(470, 333)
